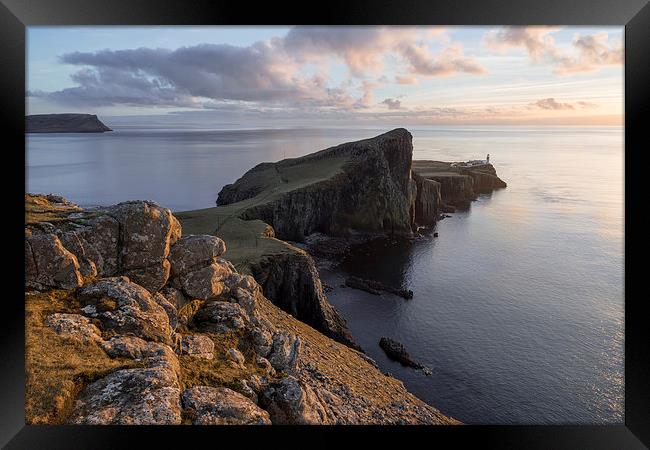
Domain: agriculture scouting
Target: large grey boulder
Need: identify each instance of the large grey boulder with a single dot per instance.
(147, 232)
(140, 396)
(222, 406)
(74, 326)
(285, 352)
(125, 307)
(50, 264)
(205, 283)
(289, 402)
(220, 317)
(195, 252)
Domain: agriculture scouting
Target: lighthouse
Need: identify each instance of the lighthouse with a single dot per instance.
(488, 158)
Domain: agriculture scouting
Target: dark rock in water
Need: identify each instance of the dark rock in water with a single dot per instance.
(375, 287)
(396, 351)
(435, 234)
(64, 123)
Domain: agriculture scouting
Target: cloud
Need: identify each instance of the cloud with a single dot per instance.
(590, 52)
(364, 48)
(552, 104)
(406, 79)
(392, 103)
(293, 70)
(450, 61)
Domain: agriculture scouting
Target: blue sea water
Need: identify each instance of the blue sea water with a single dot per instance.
(518, 304)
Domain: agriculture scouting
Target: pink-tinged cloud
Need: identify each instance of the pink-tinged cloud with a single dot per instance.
(552, 104)
(590, 52)
(406, 79)
(450, 61)
(364, 49)
(392, 103)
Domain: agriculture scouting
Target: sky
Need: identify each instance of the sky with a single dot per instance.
(328, 75)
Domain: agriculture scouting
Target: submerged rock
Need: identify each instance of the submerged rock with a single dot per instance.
(396, 351)
(375, 287)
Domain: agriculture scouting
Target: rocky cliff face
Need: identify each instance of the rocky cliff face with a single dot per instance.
(128, 322)
(372, 192)
(64, 123)
(458, 185)
(292, 281)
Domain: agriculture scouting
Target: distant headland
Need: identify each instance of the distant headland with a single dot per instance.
(64, 123)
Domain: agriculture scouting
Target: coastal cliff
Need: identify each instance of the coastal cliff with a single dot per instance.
(362, 186)
(356, 190)
(458, 184)
(64, 123)
(131, 321)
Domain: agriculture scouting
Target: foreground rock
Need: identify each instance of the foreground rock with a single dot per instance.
(234, 357)
(222, 406)
(376, 287)
(64, 123)
(66, 246)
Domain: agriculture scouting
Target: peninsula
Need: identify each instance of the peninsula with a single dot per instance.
(323, 201)
(64, 123)
(135, 315)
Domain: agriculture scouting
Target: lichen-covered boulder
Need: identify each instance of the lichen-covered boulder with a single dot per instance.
(236, 357)
(195, 252)
(170, 309)
(147, 231)
(174, 296)
(74, 326)
(222, 406)
(289, 402)
(262, 341)
(50, 264)
(197, 346)
(125, 307)
(205, 283)
(140, 396)
(285, 352)
(220, 317)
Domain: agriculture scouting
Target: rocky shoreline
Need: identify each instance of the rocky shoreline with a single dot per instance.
(130, 303)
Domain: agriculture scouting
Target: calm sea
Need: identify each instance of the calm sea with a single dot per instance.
(518, 305)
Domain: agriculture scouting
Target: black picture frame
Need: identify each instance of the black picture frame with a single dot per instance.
(16, 15)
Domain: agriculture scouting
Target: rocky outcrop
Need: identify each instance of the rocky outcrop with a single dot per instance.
(222, 406)
(64, 123)
(125, 307)
(233, 358)
(65, 246)
(427, 200)
(458, 184)
(291, 280)
(372, 192)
